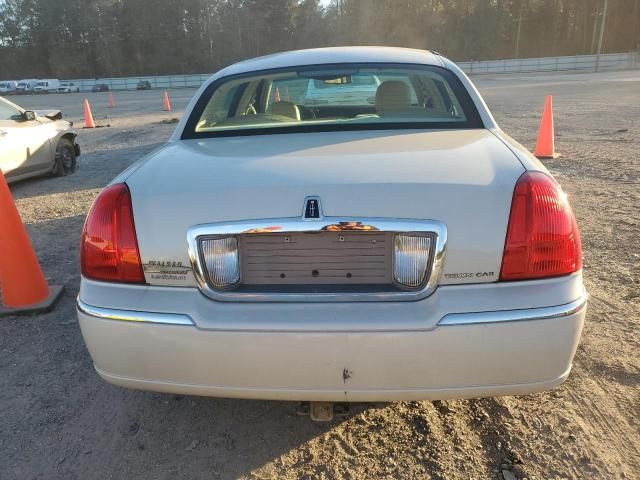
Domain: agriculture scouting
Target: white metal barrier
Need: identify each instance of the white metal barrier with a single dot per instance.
(157, 82)
(608, 62)
(586, 63)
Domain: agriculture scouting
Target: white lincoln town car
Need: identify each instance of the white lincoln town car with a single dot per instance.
(398, 246)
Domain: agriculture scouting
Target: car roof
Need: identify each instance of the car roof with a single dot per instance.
(320, 56)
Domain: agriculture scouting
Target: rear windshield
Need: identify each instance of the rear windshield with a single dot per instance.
(333, 98)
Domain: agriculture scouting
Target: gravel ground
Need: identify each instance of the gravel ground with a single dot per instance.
(59, 420)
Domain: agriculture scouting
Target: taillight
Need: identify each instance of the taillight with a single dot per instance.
(109, 248)
(542, 237)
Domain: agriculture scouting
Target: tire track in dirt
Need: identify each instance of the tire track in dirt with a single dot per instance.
(430, 440)
(601, 414)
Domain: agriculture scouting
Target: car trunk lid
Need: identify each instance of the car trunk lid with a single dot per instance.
(462, 178)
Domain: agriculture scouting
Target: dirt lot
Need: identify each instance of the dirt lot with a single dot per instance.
(59, 420)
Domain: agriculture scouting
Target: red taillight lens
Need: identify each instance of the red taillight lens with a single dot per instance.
(542, 236)
(109, 248)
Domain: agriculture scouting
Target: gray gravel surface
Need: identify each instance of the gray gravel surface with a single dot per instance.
(59, 420)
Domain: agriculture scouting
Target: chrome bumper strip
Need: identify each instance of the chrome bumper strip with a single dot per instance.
(450, 319)
(515, 315)
(132, 316)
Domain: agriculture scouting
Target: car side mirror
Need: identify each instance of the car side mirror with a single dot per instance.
(28, 115)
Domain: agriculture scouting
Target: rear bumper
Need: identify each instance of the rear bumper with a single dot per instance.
(466, 355)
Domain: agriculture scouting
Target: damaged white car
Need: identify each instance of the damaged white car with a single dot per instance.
(274, 248)
(34, 143)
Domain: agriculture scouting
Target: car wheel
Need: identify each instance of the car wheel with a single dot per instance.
(65, 158)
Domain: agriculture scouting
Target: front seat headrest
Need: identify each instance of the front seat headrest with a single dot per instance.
(286, 109)
(392, 98)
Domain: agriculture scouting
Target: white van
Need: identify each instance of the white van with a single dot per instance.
(47, 85)
(7, 87)
(353, 90)
(26, 86)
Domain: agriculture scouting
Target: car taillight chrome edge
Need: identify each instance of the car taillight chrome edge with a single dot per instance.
(437, 231)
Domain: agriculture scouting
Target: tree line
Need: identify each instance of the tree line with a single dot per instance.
(110, 38)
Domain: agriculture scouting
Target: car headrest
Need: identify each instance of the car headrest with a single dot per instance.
(393, 97)
(286, 109)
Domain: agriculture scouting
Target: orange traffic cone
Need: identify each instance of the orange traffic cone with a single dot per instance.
(545, 146)
(167, 104)
(112, 103)
(88, 117)
(276, 96)
(24, 288)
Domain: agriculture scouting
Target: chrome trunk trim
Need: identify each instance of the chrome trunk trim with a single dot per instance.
(290, 225)
(133, 316)
(543, 313)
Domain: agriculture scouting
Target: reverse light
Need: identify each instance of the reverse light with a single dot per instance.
(542, 237)
(411, 259)
(109, 248)
(222, 261)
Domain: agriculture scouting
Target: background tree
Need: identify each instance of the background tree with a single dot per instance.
(103, 38)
